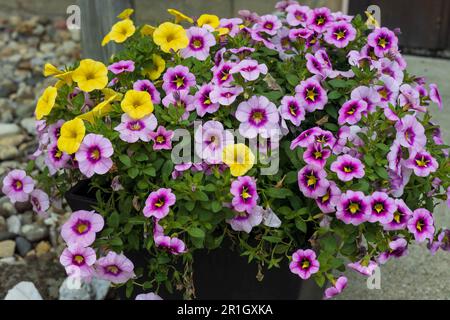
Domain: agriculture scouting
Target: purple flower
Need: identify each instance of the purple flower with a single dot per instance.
(245, 221)
(316, 155)
(382, 208)
(435, 96)
(422, 163)
(319, 63)
(397, 249)
(410, 133)
(365, 268)
(203, 100)
(132, 130)
(337, 288)
(312, 95)
(389, 68)
(180, 99)
(351, 112)
(410, 98)
(79, 261)
(244, 194)
(81, 228)
(319, 19)
(148, 296)
(382, 40)
(305, 138)
(54, 130)
(269, 23)
(340, 34)
(147, 85)
(297, 15)
(257, 116)
(162, 139)
(210, 139)
(17, 186)
(348, 168)
(248, 16)
(300, 35)
(448, 197)
(395, 157)
(291, 110)
(401, 216)
(94, 155)
(304, 263)
(178, 78)
(231, 24)
(421, 225)
(249, 69)
(327, 202)
(367, 94)
(121, 66)
(200, 41)
(115, 268)
(55, 159)
(225, 95)
(158, 203)
(353, 208)
(312, 181)
(221, 73)
(40, 201)
(173, 245)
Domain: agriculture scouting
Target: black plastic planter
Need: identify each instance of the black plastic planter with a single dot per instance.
(221, 273)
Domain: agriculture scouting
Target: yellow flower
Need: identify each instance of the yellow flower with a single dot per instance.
(179, 16)
(137, 104)
(239, 158)
(170, 36)
(209, 19)
(108, 92)
(100, 110)
(90, 75)
(125, 14)
(155, 71)
(65, 77)
(120, 32)
(223, 31)
(46, 102)
(71, 135)
(50, 70)
(147, 30)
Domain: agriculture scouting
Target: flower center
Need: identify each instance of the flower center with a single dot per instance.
(159, 203)
(353, 207)
(383, 42)
(95, 154)
(257, 116)
(311, 94)
(293, 109)
(179, 81)
(422, 162)
(160, 139)
(268, 26)
(18, 185)
(312, 180)
(419, 225)
(326, 197)
(115, 270)
(82, 227)
(318, 154)
(340, 34)
(348, 169)
(78, 260)
(305, 263)
(245, 194)
(320, 20)
(135, 126)
(351, 111)
(379, 207)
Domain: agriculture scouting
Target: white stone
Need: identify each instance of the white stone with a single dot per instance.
(24, 290)
(74, 289)
(13, 223)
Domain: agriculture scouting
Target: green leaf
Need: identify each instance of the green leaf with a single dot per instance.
(301, 225)
(196, 232)
(331, 126)
(334, 95)
(125, 160)
(279, 193)
(133, 172)
(150, 171)
(370, 161)
(382, 146)
(338, 83)
(113, 220)
(216, 206)
(382, 173)
(292, 79)
(272, 239)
